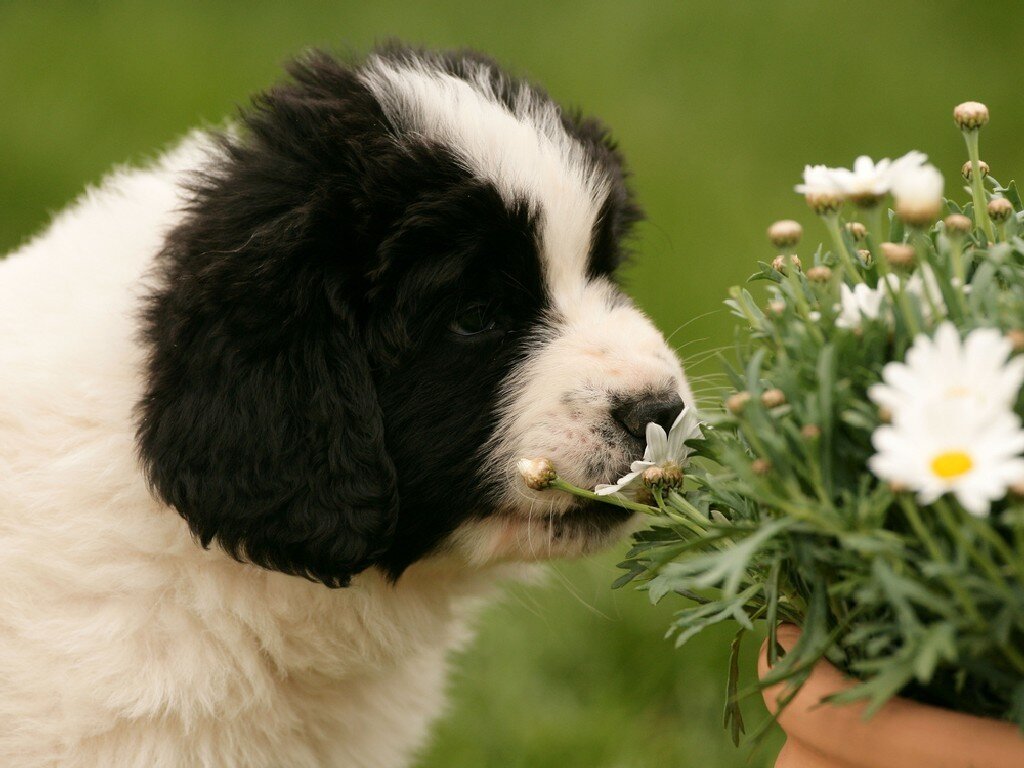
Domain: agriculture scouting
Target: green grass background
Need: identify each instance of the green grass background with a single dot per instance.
(716, 105)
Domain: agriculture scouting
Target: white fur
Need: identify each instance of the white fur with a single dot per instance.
(524, 152)
(122, 642)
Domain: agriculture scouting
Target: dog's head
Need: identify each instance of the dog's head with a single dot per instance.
(393, 281)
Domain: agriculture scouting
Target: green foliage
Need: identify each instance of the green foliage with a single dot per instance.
(781, 520)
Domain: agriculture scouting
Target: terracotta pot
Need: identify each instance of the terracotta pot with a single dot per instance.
(902, 734)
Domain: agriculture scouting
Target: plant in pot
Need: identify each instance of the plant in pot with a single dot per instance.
(863, 479)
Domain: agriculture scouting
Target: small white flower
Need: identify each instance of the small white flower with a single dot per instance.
(918, 192)
(936, 451)
(862, 301)
(925, 286)
(859, 303)
(661, 450)
(975, 375)
(819, 180)
(867, 181)
(906, 164)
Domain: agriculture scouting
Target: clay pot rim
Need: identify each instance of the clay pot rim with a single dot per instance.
(901, 734)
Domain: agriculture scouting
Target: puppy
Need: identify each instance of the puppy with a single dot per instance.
(261, 405)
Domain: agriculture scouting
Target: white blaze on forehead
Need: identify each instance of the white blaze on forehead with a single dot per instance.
(524, 152)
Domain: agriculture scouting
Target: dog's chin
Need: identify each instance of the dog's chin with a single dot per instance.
(530, 535)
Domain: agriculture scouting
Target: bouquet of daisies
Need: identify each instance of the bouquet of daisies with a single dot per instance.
(863, 477)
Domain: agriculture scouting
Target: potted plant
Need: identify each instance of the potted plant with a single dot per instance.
(863, 478)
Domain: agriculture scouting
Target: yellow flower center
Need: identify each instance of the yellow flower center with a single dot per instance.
(952, 464)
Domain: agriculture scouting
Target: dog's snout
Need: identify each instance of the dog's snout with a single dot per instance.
(634, 414)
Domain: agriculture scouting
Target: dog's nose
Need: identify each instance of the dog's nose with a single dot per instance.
(634, 415)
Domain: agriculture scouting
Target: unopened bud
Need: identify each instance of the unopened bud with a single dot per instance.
(737, 401)
(899, 255)
(967, 170)
(970, 115)
(785, 233)
(536, 473)
(999, 209)
(819, 274)
(865, 257)
(1016, 337)
(776, 307)
(773, 398)
(810, 431)
(957, 224)
(857, 230)
(761, 467)
(781, 262)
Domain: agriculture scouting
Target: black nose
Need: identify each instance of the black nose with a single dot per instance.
(635, 414)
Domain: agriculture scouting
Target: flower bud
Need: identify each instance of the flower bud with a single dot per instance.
(773, 398)
(810, 431)
(780, 262)
(776, 307)
(761, 467)
(785, 233)
(865, 257)
(899, 255)
(970, 115)
(999, 209)
(957, 224)
(737, 401)
(857, 230)
(819, 274)
(1016, 337)
(967, 170)
(536, 473)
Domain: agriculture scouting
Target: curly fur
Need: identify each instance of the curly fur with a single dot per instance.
(261, 404)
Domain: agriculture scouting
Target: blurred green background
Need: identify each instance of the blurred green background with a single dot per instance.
(716, 105)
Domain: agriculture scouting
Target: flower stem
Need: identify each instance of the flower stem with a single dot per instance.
(832, 224)
(914, 518)
(981, 219)
(559, 484)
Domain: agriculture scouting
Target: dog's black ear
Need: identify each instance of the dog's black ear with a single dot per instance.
(260, 423)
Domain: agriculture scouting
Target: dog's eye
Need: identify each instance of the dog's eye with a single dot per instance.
(474, 320)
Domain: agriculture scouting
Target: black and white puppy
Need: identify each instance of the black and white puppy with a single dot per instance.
(315, 346)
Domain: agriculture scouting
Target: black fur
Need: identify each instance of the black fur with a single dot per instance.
(303, 373)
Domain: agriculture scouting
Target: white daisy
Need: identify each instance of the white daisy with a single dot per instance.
(858, 303)
(863, 301)
(819, 180)
(918, 192)
(661, 450)
(975, 375)
(935, 451)
(867, 182)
